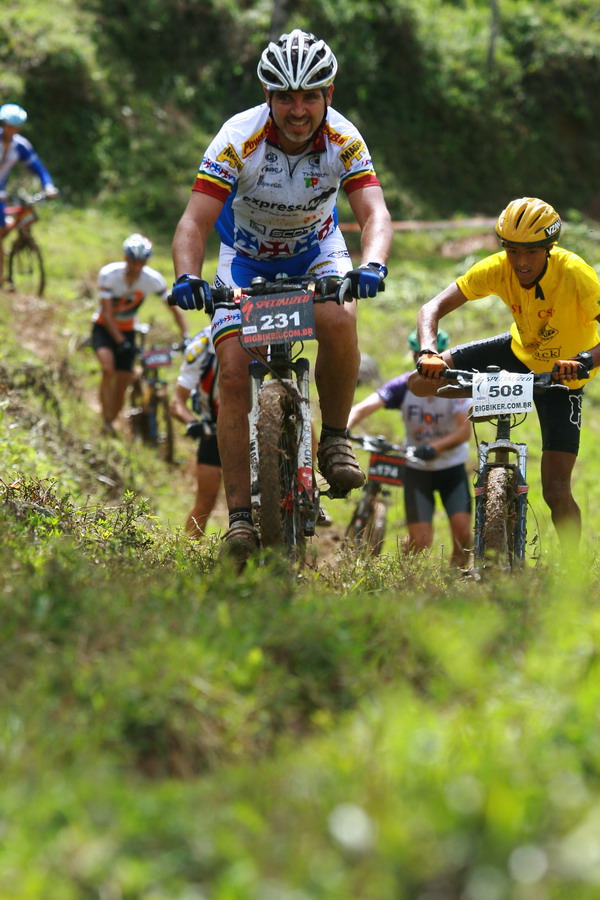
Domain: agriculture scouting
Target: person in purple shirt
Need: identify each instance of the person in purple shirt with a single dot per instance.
(14, 148)
(439, 429)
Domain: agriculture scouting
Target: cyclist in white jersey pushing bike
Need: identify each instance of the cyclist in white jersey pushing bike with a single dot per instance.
(269, 183)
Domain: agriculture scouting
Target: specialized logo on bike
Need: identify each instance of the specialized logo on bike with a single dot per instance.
(501, 393)
(154, 359)
(277, 318)
(386, 469)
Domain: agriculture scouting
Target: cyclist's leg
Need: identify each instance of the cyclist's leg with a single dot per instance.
(208, 482)
(419, 506)
(453, 487)
(559, 413)
(104, 349)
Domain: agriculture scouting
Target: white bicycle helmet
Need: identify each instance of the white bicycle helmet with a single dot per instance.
(136, 246)
(297, 62)
(13, 115)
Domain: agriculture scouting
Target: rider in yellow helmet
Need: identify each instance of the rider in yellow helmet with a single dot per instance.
(554, 298)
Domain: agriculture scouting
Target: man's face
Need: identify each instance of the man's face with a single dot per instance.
(134, 266)
(527, 262)
(297, 115)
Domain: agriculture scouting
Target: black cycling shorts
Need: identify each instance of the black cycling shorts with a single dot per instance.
(101, 337)
(208, 452)
(420, 486)
(559, 412)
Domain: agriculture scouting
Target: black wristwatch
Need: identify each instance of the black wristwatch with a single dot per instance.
(585, 358)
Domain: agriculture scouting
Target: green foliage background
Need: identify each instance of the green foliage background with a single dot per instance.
(461, 110)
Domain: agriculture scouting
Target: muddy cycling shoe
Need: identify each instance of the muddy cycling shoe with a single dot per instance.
(240, 542)
(338, 465)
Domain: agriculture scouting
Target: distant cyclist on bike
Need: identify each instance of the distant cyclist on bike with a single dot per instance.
(122, 288)
(554, 298)
(197, 386)
(14, 148)
(440, 429)
(269, 182)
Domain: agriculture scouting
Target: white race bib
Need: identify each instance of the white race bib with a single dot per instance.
(501, 393)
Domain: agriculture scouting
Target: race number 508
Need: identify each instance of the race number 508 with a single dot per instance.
(505, 390)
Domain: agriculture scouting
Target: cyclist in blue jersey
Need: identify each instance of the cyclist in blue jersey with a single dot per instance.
(14, 148)
(269, 183)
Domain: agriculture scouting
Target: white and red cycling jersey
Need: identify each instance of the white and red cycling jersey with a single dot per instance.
(127, 298)
(277, 205)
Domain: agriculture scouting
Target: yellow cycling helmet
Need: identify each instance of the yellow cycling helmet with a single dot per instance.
(529, 222)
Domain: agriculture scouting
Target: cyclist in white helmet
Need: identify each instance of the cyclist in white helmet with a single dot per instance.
(14, 148)
(122, 288)
(269, 183)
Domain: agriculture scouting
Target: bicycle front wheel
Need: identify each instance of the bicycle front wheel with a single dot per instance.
(160, 428)
(500, 517)
(281, 519)
(26, 267)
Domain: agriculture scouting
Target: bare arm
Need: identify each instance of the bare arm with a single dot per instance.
(431, 312)
(178, 405)
(461, 433)
(363, 409)
(191, 234)
(109, 320)
(371, 213)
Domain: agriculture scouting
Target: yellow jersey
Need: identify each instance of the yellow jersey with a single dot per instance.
(557, 325)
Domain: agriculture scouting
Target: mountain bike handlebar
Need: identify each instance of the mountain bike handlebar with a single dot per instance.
(542, 381)
(225, 297)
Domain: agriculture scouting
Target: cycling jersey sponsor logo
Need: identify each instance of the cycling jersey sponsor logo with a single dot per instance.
(212, 167)
(289, 232)
(546, 333)
(262, 182)
(335, 136)
(311, 181)
(312, 204)
(256, 226)
(272, 170)
(271, 157)
(548, 353)
(230, 156)
(314, 161)
(339, 254)
(353, 151)
(255, 141)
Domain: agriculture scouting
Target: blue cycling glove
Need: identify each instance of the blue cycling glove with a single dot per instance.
(190, 292)
(363, 282)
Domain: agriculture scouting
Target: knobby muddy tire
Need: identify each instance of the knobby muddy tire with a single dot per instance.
(500, 517)
(281, 523)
